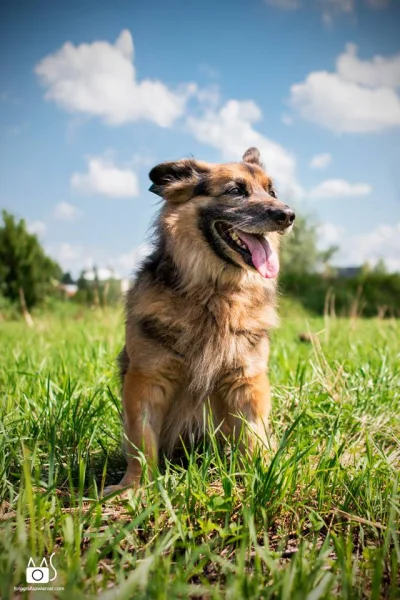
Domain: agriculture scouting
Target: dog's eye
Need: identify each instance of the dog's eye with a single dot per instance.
(234, 191)
(272, 193)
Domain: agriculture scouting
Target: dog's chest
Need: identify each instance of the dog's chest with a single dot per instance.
(221, 333)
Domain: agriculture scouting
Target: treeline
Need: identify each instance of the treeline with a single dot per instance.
(97, 292)
(307, 275)
(365, 295)
(30, 278)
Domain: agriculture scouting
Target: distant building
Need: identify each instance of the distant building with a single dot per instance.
(69, 289)
(348, 271)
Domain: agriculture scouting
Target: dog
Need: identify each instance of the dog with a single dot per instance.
(199, 312)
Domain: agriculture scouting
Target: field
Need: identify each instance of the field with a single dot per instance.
(318, 520)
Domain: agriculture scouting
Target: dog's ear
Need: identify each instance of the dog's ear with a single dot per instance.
(252, 155)
(176, 181)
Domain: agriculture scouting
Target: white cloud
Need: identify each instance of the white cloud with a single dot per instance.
(382, 243)
(71, 257)
(105, 179)
(65, 211)
(68, 252)
(378, 72)
(338, 188)
(329, 235)
(355, 99)
(37, 227)
(321, 161)
(209, 96)
(230, 130)
(102, 274)
(129, 261)
(76, 257)
(100, 79)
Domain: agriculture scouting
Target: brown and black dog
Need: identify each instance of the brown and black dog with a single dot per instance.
(199, 311)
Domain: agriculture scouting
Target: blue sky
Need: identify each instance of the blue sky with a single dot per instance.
(314, 83)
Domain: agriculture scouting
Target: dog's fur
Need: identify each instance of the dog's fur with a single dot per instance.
(198, 315)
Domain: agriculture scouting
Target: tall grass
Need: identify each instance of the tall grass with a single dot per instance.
(319, 520)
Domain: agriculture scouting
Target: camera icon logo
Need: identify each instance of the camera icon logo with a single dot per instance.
(37, 575)
(40, 574)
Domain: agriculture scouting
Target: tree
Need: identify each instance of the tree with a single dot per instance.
(325, 256)
(300, 253)
(380, 267)
(67, 278)
(24, 266)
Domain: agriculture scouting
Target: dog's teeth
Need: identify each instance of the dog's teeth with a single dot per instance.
(235, 238)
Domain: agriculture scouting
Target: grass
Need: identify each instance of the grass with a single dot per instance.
(320, 520)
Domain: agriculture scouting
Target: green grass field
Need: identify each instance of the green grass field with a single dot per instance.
(320, 520)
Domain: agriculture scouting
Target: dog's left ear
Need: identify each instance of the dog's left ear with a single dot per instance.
(252, 155)
(176, 181)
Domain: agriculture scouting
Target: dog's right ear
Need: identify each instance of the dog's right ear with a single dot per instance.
(252, 156)
(176, 181)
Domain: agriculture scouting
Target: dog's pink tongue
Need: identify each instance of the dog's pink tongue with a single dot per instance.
(264, 258)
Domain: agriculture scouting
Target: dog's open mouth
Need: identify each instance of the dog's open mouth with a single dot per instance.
(254, 249)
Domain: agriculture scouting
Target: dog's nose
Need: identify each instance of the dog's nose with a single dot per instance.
(284, 217)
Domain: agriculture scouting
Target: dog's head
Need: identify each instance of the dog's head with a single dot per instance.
(222, 215)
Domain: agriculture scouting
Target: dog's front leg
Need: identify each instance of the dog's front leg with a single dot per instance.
(246, 399)
(145, 402)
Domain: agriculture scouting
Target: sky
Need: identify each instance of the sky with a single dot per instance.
(95, 93)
